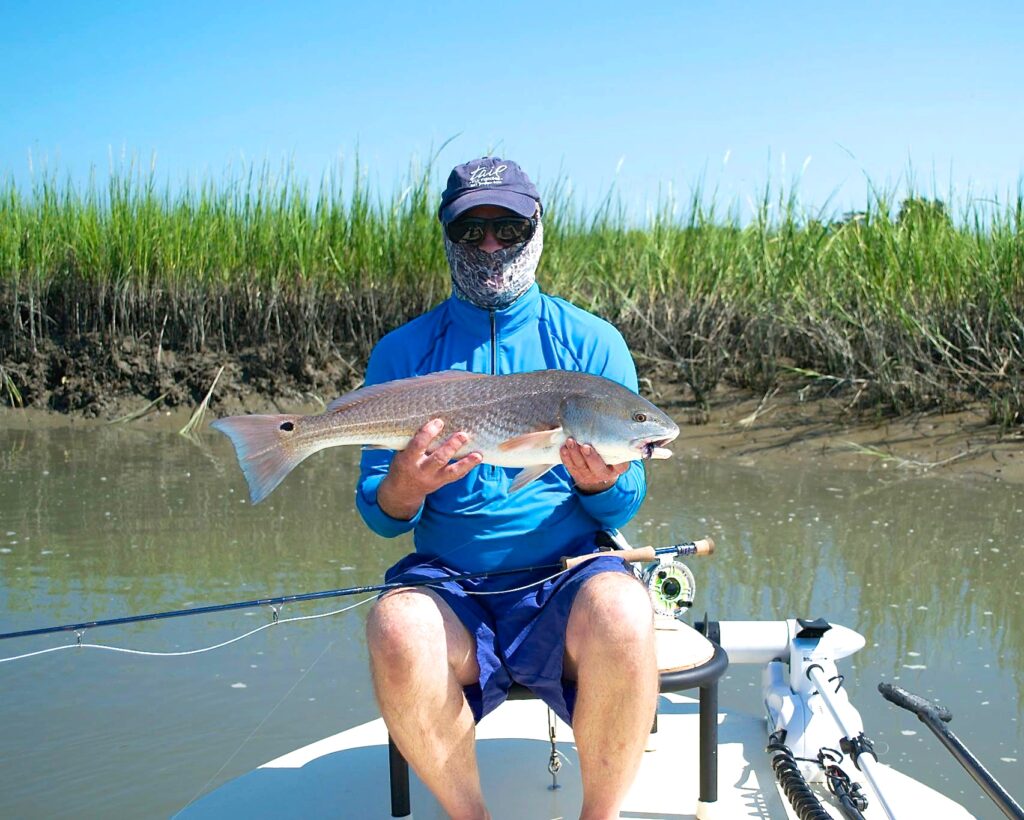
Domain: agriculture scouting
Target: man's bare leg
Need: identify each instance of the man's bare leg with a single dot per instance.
(421, 656)
(610, 652)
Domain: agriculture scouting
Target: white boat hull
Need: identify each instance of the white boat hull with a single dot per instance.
(346, 775)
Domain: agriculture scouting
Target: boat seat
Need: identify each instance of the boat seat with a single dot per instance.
(688, 658)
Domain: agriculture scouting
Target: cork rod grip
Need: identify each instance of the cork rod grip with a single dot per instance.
(705, 546)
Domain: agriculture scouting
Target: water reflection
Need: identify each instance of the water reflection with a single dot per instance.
(101, 522)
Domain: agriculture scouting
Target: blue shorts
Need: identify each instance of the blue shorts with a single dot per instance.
(520, 634)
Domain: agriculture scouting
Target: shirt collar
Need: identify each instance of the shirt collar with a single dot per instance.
(506, 320)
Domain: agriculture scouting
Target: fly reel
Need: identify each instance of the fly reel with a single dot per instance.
(671, 586)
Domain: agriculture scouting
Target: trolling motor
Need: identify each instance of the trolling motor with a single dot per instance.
(805, 704)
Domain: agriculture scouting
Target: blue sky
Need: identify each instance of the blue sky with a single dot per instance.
(646, 97)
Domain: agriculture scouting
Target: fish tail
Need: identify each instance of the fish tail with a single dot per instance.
(266, 447)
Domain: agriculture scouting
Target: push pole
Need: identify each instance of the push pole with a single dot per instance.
(863, 757)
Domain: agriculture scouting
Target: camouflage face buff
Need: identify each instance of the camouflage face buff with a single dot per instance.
(494, 280)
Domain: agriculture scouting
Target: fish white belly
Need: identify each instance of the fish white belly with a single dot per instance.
(518, 458)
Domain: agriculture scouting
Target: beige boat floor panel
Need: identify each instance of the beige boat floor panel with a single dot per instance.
(679, 646)
(346, 775)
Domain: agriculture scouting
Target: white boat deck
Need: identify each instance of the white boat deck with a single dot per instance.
(346, 775)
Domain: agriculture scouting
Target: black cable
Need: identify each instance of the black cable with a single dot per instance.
(848, 793)
(800, 795)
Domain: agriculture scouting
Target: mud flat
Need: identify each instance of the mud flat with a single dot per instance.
(786, 430)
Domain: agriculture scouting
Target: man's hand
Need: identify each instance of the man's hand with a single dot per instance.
(415, 473)
(587, 468)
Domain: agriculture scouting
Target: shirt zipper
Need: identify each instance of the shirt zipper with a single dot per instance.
(494, 344)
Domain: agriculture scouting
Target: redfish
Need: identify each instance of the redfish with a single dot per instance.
(518, 420)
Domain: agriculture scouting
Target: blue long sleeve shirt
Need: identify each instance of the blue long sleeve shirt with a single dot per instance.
(475, 524)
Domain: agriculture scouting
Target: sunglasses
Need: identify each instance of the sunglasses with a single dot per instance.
(508, 230)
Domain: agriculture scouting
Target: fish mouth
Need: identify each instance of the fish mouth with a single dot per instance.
(655, 448)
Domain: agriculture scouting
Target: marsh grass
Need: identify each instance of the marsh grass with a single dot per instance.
(898, 461)
(134, 415)
(909, 306)
(10, 389)
(195, 421)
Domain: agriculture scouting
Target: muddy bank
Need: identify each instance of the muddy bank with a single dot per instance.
(89, 377)
(788, 430)
(96, 383)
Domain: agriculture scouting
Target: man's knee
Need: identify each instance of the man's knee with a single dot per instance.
(408, 630)
(402, 626)
(613, 608)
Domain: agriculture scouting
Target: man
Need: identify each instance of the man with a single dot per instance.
(443, 657)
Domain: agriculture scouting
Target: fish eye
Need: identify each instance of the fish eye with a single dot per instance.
(640, 417)
(287, 426)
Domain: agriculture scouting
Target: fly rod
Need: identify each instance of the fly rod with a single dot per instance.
(704, 546)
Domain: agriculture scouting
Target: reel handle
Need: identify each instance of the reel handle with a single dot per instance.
(705, 546)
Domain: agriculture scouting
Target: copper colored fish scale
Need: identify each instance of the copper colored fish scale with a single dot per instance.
(518, 420)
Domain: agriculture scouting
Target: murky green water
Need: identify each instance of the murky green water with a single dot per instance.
(115, 521)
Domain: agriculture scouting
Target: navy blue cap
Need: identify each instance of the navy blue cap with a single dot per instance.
(488, 181)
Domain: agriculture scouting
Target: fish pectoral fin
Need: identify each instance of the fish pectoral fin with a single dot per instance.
(528, 474)
(538, 439)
